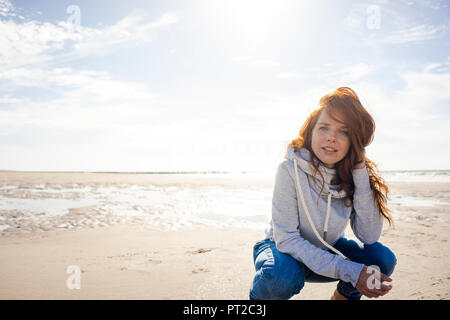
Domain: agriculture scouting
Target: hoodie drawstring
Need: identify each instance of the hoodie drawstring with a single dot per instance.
(325, 227)
(300, 193)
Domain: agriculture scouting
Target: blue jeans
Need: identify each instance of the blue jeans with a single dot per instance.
(280, 276)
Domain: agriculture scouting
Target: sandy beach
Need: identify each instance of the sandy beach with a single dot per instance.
(134, 259)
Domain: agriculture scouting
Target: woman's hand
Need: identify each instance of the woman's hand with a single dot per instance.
(368, 283)
(361, 164)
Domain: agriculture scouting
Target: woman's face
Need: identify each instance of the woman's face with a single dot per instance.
(330, 141)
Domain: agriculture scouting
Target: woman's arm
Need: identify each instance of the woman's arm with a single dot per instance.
(365, 219)
(287, 236)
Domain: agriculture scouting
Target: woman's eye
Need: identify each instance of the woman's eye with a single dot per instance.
(323, 128)
(344, 132)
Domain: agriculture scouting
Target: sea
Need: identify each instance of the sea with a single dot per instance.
(169, 207)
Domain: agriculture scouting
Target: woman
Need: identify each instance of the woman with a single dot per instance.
(324, 183)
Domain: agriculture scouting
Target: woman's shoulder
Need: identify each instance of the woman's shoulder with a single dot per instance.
(286, 169)
(286, 164)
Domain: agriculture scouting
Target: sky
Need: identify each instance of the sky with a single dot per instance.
(201, 85)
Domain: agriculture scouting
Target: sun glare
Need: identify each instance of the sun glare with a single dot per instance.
(253, 22)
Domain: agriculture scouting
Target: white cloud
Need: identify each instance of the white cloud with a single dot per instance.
(75, 86)
(423, 95)
(426, 90)
(432, 4)
(344, 74)
(34, 42)
(29, 43)
(437, 67)
(129, 31)
(356, 72)
(395, 25)
(87, 99)
(417, 33)
(6, 9)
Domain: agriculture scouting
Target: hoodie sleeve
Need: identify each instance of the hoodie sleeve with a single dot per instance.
(366, 220)
(287, 236)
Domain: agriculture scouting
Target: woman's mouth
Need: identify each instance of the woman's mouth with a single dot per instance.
(329, 150)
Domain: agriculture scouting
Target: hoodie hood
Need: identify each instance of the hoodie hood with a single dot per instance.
(304, 161)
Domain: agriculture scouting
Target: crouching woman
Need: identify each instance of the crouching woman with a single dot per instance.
(324, 183)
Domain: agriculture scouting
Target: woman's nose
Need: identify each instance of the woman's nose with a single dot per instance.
(331, 138)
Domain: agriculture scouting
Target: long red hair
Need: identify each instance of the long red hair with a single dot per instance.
(344, 104)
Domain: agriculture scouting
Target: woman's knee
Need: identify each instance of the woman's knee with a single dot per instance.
(278, 279)
(381, 256)
(268, 284)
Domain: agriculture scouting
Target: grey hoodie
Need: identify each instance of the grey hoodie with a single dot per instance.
(291, 230)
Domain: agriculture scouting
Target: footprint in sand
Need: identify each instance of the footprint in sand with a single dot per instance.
(154, 261)
(139, 265)
(201, 250)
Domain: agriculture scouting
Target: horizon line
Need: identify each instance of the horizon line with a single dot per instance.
(191, 172)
